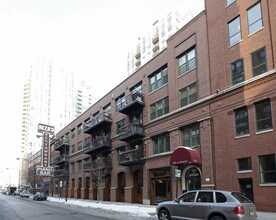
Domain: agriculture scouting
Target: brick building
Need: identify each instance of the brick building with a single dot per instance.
(212, 90)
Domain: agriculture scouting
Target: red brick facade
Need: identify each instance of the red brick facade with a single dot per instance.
(141, 170)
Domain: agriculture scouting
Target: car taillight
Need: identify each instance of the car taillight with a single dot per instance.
(238, 210)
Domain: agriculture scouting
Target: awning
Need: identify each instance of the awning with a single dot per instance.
(184, 155)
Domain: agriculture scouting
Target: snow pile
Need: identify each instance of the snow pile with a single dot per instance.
(133, 209)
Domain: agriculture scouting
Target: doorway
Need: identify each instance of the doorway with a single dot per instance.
(246, 186)
(191, 178)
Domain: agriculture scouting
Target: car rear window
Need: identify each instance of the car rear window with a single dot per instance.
(240, 197)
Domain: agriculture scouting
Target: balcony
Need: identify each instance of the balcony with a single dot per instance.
(155, 48)
(102, 163)
(155, 38)
(101, 120)
(132, 156)
(137, 54)
(61, 144)
(100, 144)
(131, 102)
(131, 132)
(138, 62)
(60, 173)
(58, 160)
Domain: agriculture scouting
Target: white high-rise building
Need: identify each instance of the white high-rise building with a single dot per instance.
(154, 41)
(49, 97)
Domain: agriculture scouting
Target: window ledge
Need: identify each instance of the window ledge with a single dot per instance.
(183, 74)
(245, 171)
(265, 131)
(242, 136)
(249, 35)
(230, 46)
(267, 184)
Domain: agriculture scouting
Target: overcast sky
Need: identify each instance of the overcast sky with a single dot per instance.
(88, 37)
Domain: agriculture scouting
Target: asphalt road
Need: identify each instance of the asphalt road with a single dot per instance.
(16, 208)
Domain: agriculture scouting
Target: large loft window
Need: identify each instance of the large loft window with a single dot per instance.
(267, 169)
(159, 108)
(161, 144)
(190, 136)
(254, 18)
(237, 71)
(158, 79)
(188, 95)
(263, 115)
(241, 122)
(234, 31)
(258, 60)
(187, 61)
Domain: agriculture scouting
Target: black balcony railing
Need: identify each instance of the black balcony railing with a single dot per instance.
(61, 144)
(97, 122)
(61, 172)
(131, 156)
(131, 102)
(104, 163)
(132, 131)
(99, 144)
(58, 160)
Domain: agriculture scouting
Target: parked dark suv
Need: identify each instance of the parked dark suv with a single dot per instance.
(208, 205)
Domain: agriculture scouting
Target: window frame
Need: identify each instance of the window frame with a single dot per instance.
(154, 80)
(236, 124)
(191, 137)
(238, 73)
(233, 35)
(161, 141)
(159, 106)
(242, 162)
(249, 23)
(187, 62)
(254, 67)
(188, 92)
(263, 160)
(260, 130)
(229, 2)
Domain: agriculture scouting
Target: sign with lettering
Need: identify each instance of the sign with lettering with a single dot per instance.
(45, 150)
(46, 128)
(44, 171)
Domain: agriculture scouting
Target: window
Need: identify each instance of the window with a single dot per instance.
(73, 149)
(237, 70)
(187, 61)
(234, 31)
(161, 144)
(263, 115)
(244, 164)
(158, 79)
(79, 128)
(73, 133)
(188, 95)
(258, 59)
(73, 167)
(205, 197)
(119, 126)
(80, 165)
(229, 2)
(190, 136)
(267, 168)
(254, 17)
(241, 121)
(121, 102)
(159, 108)
(220, 198)
(80, 146)
(188, 197)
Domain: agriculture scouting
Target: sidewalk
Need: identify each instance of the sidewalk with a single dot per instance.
(133, 209)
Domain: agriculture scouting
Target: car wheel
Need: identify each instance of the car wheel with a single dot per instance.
(217, 217)
(164, 215)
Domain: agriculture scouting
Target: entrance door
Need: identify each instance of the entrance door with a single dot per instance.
(192, 179)
(246, 186)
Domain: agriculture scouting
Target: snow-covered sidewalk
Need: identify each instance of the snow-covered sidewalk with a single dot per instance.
(132, 209)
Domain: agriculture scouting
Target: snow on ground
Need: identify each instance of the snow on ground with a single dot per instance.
(133, 209)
